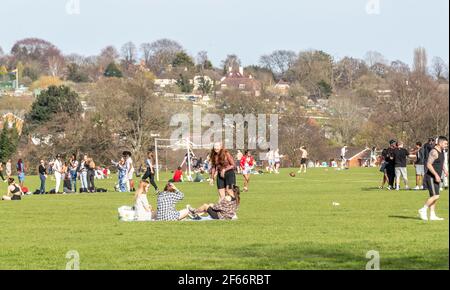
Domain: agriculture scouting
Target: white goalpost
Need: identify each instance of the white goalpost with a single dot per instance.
(176, 144)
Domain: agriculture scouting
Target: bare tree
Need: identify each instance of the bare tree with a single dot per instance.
(129, 54)
(279, 61)
(232, 61)
(146, 51)
(420, 60)
(347, 120)
(374, 57)
(439, 69)
(162, 53)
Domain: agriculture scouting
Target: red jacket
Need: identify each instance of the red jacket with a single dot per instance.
(250, 162)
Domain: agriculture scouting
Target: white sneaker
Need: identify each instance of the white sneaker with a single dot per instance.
(416, 188)
(421, 188)
(435, 218)
(397, 188)
(407, 188)
(423, 214)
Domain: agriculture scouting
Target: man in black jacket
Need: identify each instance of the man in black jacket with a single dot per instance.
(388, 156)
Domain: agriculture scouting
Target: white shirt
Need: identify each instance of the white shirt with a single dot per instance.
(343, 152)
(130, 168)
(270, 155)
(140, 207)
(57, 166)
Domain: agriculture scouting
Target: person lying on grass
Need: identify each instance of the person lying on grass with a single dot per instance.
(167, 201)
(223, 210)
(14, 191)
(141, 205)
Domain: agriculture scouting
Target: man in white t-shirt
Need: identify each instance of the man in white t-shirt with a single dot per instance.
(270, 160)
(57, 169)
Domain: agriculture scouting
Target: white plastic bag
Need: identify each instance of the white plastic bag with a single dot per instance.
(126, 214)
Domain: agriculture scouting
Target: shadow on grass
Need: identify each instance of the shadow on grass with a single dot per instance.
(344, 256)
(372, 189)
(404, 217)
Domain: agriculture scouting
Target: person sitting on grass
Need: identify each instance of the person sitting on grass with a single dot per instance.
(141, 205)
(14, 191)
(167, 201)
(177, 176)
(67, 183)
(223, 210)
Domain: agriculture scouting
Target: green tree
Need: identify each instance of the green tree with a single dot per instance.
(184, 84)
(75, 74)
(9, 139)
(182, 59)
(112, 70)
(204, 85)
(53, 101)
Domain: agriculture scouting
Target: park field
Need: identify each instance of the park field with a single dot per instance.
(284, 223)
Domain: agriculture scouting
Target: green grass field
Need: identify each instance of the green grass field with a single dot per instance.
(284, 223)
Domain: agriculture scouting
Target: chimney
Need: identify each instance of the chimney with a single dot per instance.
(241, 70)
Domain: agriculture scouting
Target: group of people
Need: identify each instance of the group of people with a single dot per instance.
(431, 166)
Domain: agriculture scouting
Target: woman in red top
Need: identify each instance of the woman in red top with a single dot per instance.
(177, 176)
(247, 164)
(222, 168)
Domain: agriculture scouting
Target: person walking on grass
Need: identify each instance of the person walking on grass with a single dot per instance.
(400, 161)
(389, 167)
(130, 171)
(434, 170)
(419, 165)
(150, 172)
(247, 164)
(42, 169)
(344, 157)
(82, 170)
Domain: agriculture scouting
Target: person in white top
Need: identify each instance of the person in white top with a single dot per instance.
(277, 160)
(270, 160)
(343, 157)
(8, 169)
(143, 210)
(130, 171)
(239, 156)
(57, 169)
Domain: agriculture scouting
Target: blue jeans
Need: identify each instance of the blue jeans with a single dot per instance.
(84, 183)
(43, 179)
(73, 180)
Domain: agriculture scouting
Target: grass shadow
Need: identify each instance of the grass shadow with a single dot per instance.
(404, 217)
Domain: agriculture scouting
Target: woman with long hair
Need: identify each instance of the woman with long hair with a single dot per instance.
(222, 169)
(73, 169)
(122, 174)
(21, 172)
(141, 205)
(14, 191)
(90, 174)
(223, 210)
(247, 164)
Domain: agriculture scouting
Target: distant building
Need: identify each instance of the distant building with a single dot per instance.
(239, 81)
(282, 87)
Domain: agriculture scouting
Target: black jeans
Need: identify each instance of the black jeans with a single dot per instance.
(91, 178)
(390, 172)
(149, 174)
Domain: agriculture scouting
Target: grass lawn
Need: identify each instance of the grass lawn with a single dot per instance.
(284, 223)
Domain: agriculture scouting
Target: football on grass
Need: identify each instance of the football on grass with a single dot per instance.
(292, 174)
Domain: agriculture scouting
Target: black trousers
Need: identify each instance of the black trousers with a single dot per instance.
(390, 172)
(149, 174)
(90, 180)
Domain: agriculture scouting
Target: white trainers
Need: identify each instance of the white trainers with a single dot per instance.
(435, 218)
(423, 214)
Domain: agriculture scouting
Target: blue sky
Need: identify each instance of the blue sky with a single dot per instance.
(248, 28)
